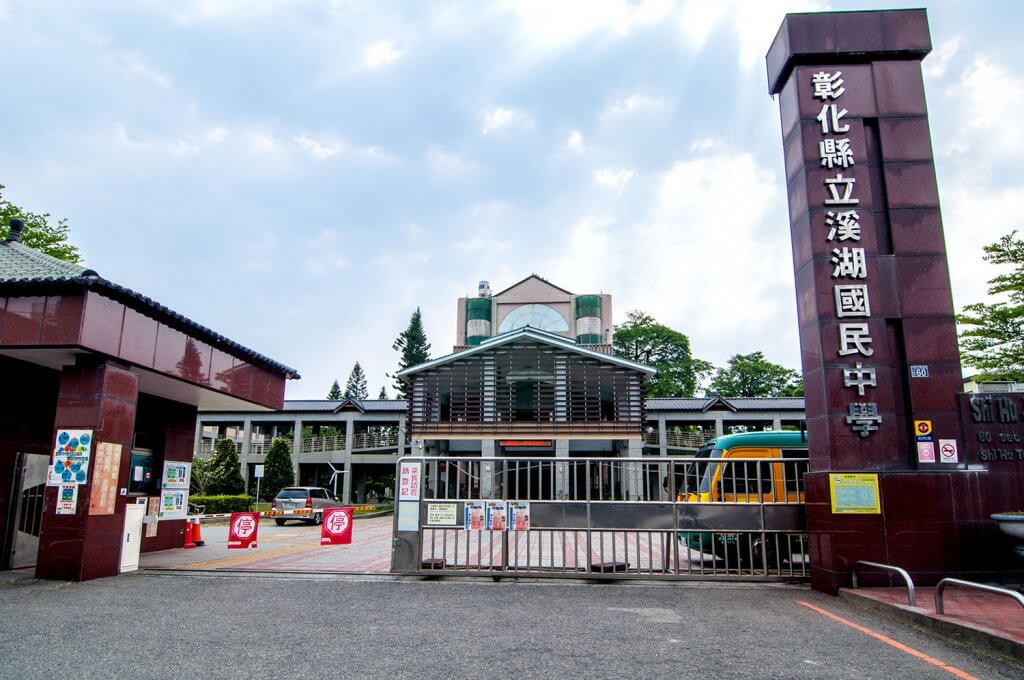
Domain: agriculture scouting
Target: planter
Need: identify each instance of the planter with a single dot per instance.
(1011, 525)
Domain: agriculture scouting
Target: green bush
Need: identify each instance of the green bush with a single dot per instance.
(213, 505)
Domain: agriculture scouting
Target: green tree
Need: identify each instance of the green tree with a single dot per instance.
(383, 393)
(200, 479)
(335, 392)
(644, 340)
(992, 335)
(414, 348)
(277, 472)
(356, 388)
(39, 233)
(225, 470)
(751, 375)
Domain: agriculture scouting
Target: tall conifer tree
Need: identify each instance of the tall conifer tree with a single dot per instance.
(414, 348)
(356, 388)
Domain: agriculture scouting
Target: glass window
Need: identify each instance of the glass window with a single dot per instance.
(535, 316)
(292, 493)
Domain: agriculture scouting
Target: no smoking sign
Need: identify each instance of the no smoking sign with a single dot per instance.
(337, 527)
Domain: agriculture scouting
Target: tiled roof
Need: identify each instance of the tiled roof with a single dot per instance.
(331, 405)
(738, 403)
(22, 267)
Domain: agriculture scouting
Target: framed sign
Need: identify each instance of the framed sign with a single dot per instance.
(177, 474)
(71, 453)
(854, 493)
(409, 481)
(443, 514)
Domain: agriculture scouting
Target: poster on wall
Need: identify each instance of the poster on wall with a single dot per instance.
(104, 478)
(67, 499)
(173, 503)
(70, 462)
(474, 519)
(520, 515)
(176, 474)
(497, 516)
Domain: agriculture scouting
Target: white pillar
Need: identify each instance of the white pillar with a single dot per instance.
(487, 468)
(346, 493)
(662, 452)
(719, 426)
(401, 438)
(562, 476)
(296, 448)
(198, 439)
(632, 486)
(243, 456)
(777, 423)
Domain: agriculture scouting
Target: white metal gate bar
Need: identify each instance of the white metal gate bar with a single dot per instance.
(612, 518)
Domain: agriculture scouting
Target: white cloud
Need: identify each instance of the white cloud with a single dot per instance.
(318, 149)
(550, 25)
(613, 178)
(503, 117)
(939, 60)
(381, 54)
(325, 253)
(754, 23)
(704, 144)
(575, 141)
(692, 224)
(449, 165)
(982, 125)
(634, 103)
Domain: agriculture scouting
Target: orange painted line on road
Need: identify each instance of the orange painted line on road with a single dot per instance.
(952, 670)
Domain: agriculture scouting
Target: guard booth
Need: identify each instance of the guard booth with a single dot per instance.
(98, 405)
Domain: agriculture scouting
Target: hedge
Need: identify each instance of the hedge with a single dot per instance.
(219, 504)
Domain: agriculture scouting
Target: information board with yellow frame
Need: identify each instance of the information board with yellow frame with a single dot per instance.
(854, 493)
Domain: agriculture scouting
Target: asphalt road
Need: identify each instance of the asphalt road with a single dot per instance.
(252, 626)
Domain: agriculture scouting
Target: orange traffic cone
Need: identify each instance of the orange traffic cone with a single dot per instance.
(189, 542)
(197, 533)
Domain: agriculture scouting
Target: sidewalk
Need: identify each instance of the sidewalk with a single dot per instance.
(971, 616)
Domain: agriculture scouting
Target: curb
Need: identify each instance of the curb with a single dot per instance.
(963, 633)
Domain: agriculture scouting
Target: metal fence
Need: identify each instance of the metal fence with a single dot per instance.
(649, 517)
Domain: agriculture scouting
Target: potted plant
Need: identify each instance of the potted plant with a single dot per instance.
(1011, 523)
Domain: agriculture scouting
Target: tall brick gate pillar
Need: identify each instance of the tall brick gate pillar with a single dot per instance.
(877, 332)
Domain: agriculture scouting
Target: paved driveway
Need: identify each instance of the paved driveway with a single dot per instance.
(294, 547)
(211, 626)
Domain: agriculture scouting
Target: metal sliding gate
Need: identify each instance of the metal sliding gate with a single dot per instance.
(602, 518)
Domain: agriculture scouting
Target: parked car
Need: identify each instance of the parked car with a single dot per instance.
(304, 503)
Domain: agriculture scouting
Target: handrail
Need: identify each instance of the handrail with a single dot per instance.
(911, 593)
(941, 586)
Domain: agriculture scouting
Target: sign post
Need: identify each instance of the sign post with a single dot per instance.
(258, 473)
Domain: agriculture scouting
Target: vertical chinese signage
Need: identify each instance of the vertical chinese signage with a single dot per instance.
(849, 262)
(103, 496)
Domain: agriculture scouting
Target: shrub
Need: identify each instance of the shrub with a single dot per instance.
(225, 470)
(213, 505)
(278, 472)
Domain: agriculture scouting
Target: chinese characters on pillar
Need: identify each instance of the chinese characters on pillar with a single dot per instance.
(849, 263)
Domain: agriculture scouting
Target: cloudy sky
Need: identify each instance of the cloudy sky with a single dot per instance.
(301, 175)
